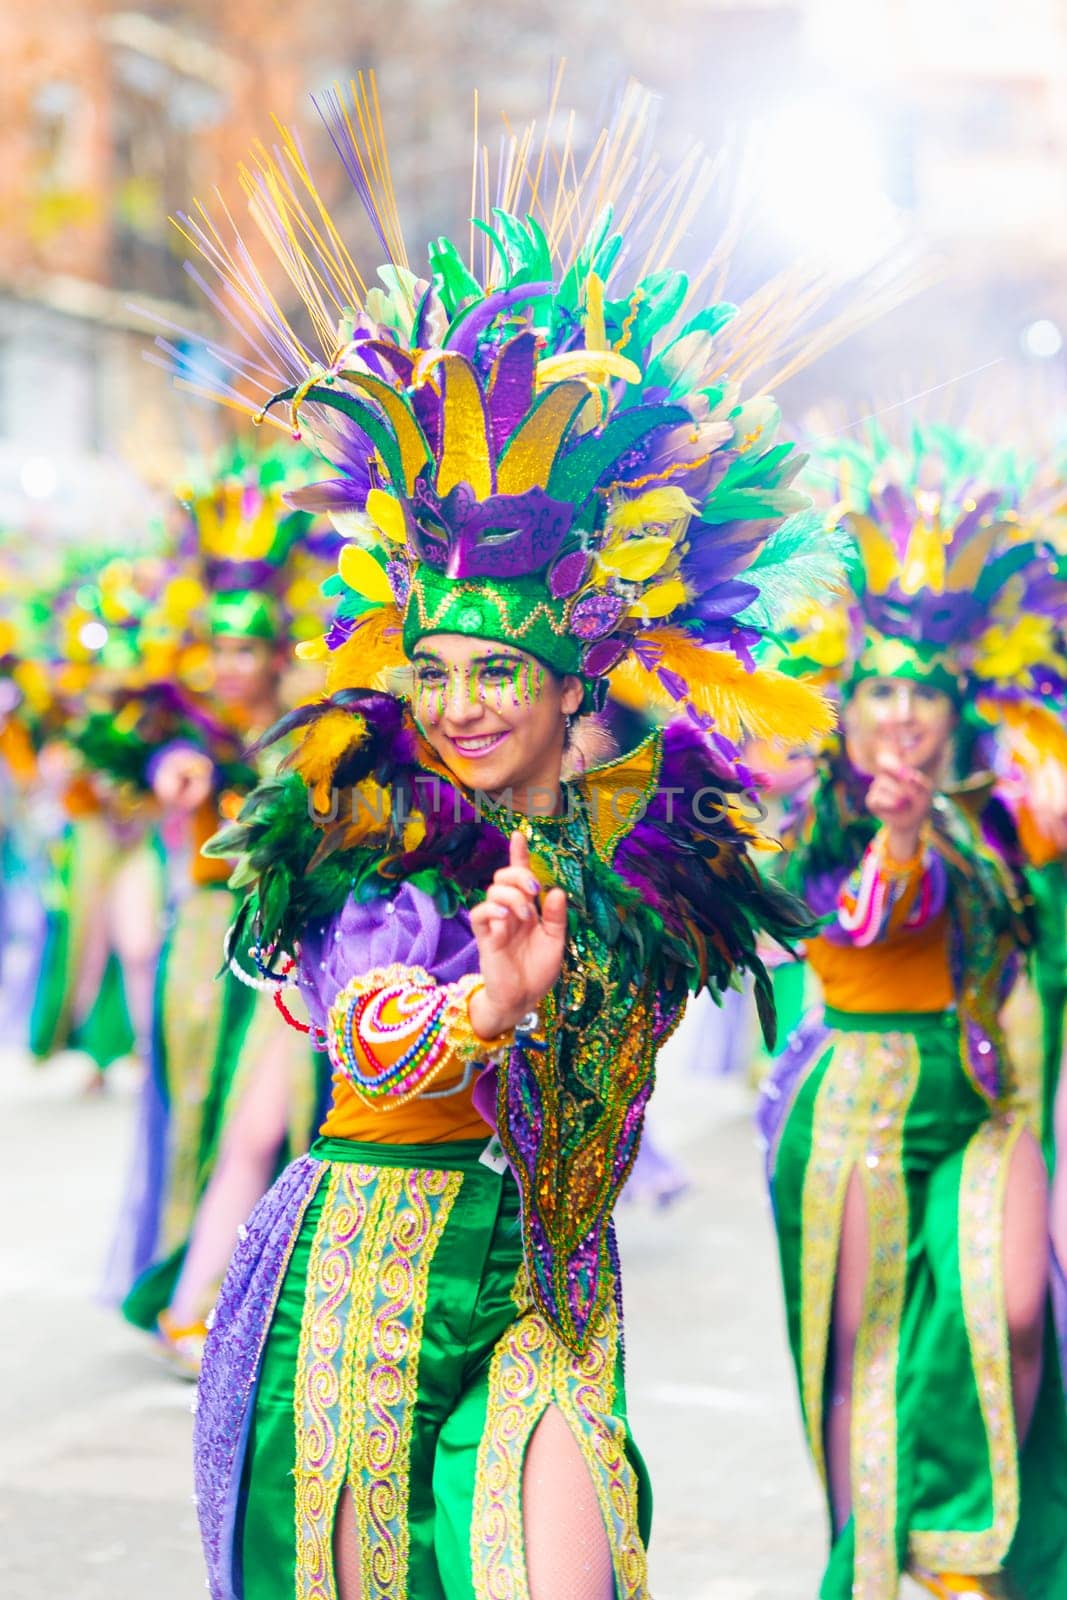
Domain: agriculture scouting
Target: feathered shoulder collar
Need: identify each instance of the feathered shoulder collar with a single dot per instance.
(364, 803)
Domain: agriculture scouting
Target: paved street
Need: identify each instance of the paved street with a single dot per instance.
(95, 1496)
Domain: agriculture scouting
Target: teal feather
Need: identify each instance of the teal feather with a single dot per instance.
(802, 561)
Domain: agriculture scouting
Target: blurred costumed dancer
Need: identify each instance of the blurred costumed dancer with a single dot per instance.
(1034, 747)
(234, 1091)
(910, 1191)
(414, 1385)
(104, 891)
(21, 913)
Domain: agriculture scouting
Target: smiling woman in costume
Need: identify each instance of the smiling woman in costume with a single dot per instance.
(414, 1382)
(909, 1188)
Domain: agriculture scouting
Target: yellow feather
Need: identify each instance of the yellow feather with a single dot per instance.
(387, 514)
(369, 655)
(660, 600)
(598, 366)
(924, 562)
(763, 704)
(322, 747)
(365, 575)
(312, 650)
(656, 507)
(1035, 733)
(964, 570)
(595, 333)
(636, 559)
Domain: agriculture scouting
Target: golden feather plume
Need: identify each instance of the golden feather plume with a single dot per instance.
(764, 704)
(322, 747)
(367, 659)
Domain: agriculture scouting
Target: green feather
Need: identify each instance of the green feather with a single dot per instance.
(801, 561)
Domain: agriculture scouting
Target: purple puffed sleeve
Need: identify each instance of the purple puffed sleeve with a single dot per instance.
(406, 928)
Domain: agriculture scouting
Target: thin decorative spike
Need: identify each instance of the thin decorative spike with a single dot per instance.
(474, 186)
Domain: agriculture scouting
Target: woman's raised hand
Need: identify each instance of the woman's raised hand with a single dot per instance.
(900, 797)
(184, 779)
(520, 945)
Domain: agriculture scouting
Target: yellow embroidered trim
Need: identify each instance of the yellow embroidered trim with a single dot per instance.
(858, 1126)
(981, 1214)
(323, 1409)
(833, 1136)
(532, 1369)
(388, 1337)
(890, 1078)
(357, 1367)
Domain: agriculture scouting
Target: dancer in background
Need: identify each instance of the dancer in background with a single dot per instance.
(909, 1186)
(234, 1091)
(104, 890)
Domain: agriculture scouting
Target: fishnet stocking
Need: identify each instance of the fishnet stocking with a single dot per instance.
(346, 1549)
(1025, 1255)
(850, 1290)
(567, 1551)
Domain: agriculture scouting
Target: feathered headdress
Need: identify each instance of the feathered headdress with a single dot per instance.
(953, 580)
(242, 542)
(542, 447)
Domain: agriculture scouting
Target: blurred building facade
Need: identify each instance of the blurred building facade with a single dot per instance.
(951, 115)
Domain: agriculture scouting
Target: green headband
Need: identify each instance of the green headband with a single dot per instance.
(904, 658)
(243, 614)
(520, 612)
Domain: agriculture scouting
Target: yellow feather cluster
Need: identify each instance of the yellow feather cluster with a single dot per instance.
(325, 742)
(763, 704)
(659, 518)
(370, 655)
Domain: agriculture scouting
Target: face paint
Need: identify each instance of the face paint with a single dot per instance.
(506, 683)
(495, 716)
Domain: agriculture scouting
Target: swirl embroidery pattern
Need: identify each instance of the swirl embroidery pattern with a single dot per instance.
(357, 1369)
(858, 1127)
(981, 1211)
(531, 1369)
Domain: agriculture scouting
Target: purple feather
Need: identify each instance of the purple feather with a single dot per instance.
(463, 338)
(725, 600)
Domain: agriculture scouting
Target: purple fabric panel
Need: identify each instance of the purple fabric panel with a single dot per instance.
(983, 1056)
(822, 893)
(407, 928)
(937, 877)
(22, 945)
(231, 1363)
(485, 1095)
(133, 1248)
(780, 1085)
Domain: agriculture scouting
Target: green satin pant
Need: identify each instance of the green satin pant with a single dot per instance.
(937, 1476)
(405, 1363)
